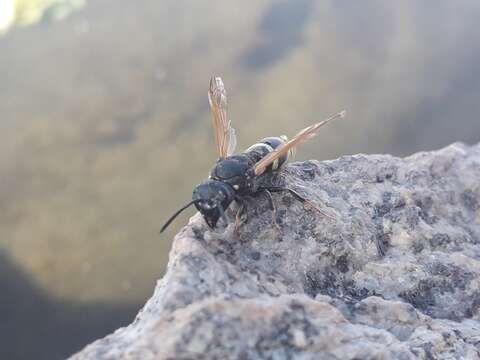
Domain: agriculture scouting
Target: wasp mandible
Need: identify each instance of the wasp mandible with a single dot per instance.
(236, 176)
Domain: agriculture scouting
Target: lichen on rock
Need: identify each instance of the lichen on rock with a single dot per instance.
(396, 275)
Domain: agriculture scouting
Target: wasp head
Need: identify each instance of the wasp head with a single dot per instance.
(212, 198)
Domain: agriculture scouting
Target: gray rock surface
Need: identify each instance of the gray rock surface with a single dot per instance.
(396, 275)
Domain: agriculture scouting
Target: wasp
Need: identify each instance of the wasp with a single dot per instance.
(235, 177)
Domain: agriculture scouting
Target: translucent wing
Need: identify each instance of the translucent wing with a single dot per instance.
(225, 138)
(232, 140)
(303, 135)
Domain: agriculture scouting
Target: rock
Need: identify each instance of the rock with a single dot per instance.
(396, 275)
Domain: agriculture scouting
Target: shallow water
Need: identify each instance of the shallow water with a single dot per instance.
(105, 127)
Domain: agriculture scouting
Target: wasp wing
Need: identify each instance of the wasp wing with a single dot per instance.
(302, 135)
(225, 138)
(232, 140)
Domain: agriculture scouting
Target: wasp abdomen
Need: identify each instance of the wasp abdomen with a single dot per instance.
(266, 146)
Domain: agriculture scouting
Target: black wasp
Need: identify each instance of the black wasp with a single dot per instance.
(237, 176)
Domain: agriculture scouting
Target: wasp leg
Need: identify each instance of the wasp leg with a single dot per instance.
(300, 198)
(274, 210)
(238, 217)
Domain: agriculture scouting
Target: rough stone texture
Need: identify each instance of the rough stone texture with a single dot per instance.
(395, 276)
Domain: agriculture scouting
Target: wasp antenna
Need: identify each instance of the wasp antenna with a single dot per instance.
(169, 221)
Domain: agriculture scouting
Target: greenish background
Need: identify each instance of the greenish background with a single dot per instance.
(105, 128)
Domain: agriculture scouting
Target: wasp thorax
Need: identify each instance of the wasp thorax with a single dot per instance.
(236, 171)
(212, 198)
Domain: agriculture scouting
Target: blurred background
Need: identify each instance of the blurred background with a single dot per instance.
(105, 128)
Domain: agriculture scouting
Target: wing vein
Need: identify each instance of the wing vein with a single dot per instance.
(224, 133)
(302, 135)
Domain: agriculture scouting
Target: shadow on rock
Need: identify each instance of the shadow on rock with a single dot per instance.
(35, 326)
